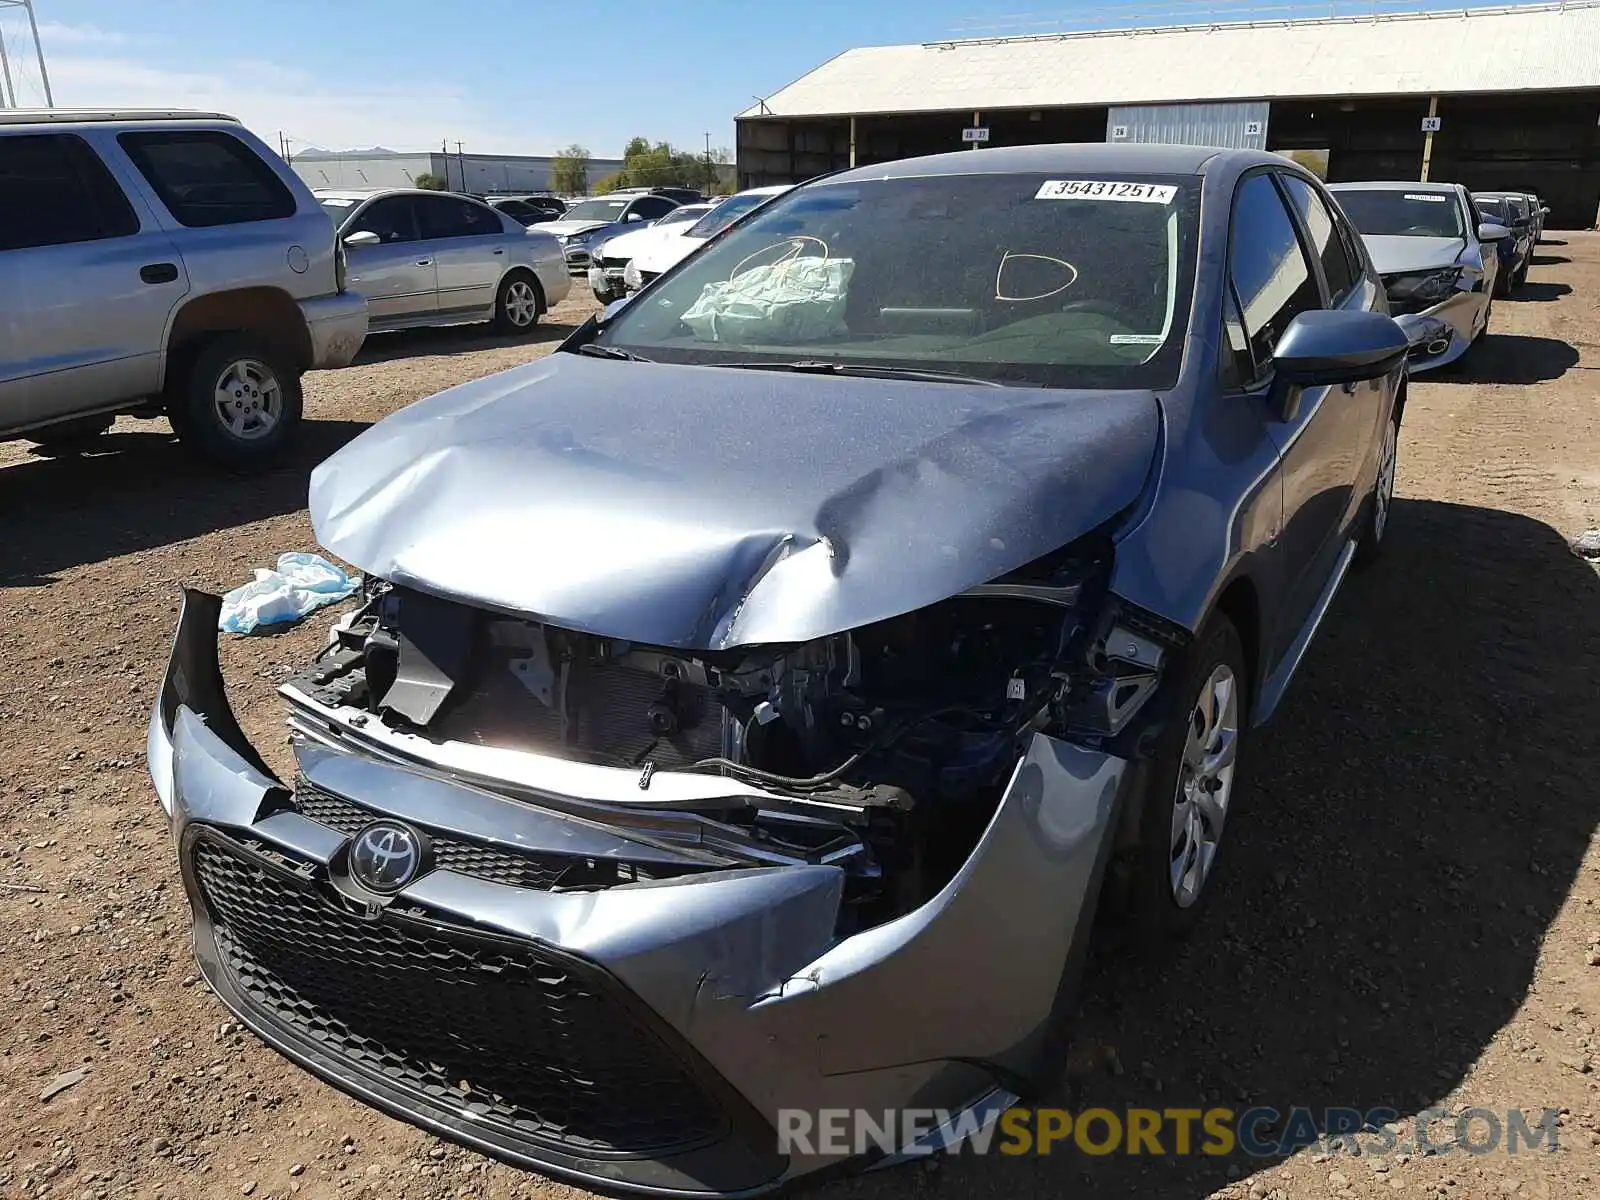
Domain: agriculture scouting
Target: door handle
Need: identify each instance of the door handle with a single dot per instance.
(424, 262)
(501, 250)
(158, 272)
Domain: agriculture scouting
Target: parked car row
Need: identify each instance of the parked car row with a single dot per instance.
(169, 264)
(1444, 254)
(893, 587)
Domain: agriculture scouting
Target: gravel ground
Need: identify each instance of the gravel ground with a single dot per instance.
(1409, 920)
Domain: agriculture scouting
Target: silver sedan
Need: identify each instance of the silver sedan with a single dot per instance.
(434, 258)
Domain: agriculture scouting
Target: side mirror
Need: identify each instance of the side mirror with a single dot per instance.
(1544, 211)
(365, 238)
(1323, 346)
(1491, 231)
(633, 216)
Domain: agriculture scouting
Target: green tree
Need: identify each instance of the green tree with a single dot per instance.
(434, 183)
(569, 171)
(609, 183)
(658, 164)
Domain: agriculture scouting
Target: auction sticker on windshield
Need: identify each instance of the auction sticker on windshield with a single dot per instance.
(1105, 189)
(1430, 197)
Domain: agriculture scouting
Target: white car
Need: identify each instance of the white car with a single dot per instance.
(608, 256)
(662, 255)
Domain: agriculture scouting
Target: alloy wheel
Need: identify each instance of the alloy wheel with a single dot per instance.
(521, 304)
(1383, 492)
(1205, 784)
(249, 400)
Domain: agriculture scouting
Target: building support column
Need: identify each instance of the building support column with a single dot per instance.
(852, 141)
(1427, 138)
(977, 119)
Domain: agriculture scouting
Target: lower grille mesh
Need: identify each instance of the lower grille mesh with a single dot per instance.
(512, 1035)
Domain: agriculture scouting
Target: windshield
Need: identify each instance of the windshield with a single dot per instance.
(1382, 212)
(338, 210)
(725, 214)
(596, 210)
(1012, 278)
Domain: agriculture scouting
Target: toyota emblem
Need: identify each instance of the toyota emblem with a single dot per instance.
(386, 856)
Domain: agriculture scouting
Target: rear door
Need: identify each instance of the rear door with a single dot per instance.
(88, 281)
(469, 245)
(397, 276)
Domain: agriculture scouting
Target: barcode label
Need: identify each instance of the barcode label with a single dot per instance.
(1105, 189)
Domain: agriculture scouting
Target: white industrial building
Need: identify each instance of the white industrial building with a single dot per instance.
(1505, 97)
(478, 174)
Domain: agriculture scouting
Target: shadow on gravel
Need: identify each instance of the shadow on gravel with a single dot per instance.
(1549, 260)
(1417, 813)
(452, 339)
(138, 491)
(1509, 358)
(1540, 293)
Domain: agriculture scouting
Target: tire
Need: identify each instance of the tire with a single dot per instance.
(1522, 275)
(1380, 505)
(260, 393)
(1172, 869)
(1488, 315)
(518, 304)
(70, 437)
(1502, 284)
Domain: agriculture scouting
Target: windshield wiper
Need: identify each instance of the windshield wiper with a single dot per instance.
(596, 350)
(811, 366)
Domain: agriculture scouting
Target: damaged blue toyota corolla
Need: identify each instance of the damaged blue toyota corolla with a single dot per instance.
(750, 704)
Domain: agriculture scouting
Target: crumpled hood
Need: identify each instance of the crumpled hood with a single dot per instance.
(631, 245)
(568, 228)
(705, 508)
(1392, 254)
(662, 256)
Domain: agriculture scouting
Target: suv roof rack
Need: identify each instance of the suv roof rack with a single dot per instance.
(71, 116)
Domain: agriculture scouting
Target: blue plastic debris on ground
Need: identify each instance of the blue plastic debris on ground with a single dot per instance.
(301, 584)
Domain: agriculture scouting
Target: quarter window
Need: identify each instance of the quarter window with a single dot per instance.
(1270, 273)
(54, 191)
(206, 177)
(1325, 239)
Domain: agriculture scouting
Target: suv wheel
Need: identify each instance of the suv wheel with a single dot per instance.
(1193, 789)
(517, 307)
(238, 404)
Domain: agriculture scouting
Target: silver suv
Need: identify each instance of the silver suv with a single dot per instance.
(162, 263)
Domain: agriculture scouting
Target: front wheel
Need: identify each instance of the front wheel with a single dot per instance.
(516, 307)
(1369, 543)
(239, 403)
(1194, 786)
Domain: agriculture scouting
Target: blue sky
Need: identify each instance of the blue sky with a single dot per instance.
(507, 76)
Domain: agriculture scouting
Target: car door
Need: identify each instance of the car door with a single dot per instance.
(397, 274)
(469, 245)
(1323, 434)
(88, 283)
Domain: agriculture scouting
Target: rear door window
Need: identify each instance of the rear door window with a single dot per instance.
(451, 217)
(1270, 272)
(207, 177)
(652, 207)
(55, 191)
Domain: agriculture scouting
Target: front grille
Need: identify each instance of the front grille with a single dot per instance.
(615, 264)
(517, 1038)
(482, 860)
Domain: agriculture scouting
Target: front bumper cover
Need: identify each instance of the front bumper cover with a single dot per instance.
(736, 977)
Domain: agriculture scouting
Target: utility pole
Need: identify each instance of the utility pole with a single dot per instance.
(461, 165)
(711, 176)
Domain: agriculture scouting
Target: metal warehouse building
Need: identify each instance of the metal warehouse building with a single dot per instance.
(1503, 97)
(479, 173)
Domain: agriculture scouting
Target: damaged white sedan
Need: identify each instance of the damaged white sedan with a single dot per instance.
(748, 705)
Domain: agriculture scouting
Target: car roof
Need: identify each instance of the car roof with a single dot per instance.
(70, 116)
(358, 194)
(1391, 185)
(1135, 158)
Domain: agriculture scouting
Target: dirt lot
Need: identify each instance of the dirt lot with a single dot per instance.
(1410, 917)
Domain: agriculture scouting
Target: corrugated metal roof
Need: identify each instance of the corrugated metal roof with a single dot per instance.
(1543, 47)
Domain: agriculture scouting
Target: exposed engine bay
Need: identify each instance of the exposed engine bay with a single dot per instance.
(883, 750)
